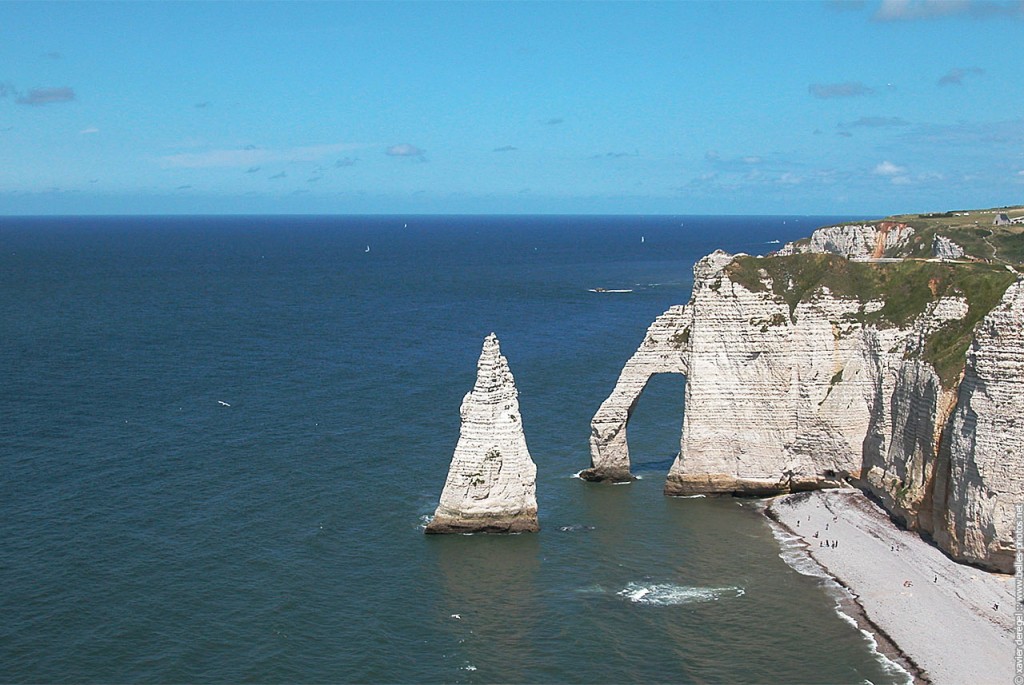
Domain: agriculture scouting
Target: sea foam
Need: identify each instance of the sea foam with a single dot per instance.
(670, 594)
(794, 552)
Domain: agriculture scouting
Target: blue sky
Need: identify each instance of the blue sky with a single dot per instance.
(651, 108)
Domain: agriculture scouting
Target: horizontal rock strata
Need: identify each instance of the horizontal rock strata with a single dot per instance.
(662, 351)
(856, 241)
(492, 481)
(787, 393)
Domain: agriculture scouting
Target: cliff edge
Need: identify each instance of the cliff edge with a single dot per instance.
(885, 354)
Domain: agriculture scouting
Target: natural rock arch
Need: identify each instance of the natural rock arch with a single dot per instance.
(662, 351)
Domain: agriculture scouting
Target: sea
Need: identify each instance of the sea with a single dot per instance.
(221, 438)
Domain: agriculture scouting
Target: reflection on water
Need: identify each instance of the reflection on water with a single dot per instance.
(491, 601)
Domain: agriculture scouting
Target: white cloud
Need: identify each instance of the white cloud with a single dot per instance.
(887, 168)
(89, 131)
(253, 156)
(911, 10)
(404, 150)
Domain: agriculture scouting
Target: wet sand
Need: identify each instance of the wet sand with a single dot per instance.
(940, 615)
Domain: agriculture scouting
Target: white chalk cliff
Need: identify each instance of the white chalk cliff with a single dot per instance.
(854, 240)
(792, 387)
(492, 481)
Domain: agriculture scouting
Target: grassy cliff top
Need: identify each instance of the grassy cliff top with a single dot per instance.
(974, 230)
(906, 287)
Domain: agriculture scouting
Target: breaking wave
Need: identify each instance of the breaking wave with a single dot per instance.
(794, 552)
(669, 594)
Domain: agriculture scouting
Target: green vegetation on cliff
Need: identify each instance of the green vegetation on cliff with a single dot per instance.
(976, 231)
(906, 288)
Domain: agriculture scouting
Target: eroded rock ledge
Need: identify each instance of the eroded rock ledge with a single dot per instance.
(811, 368)
(492, 481)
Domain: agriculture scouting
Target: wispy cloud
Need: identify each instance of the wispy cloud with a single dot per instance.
(741, 163)
(955, 77)
(554, 121)
(7, 89)
(876, 122)
(405, 150)
(279, 175)
(845, 5)
(47, 96)
(345, 162)
(914, 10)
(849, 89)
(251, 156)
(616, 155)
(92, 130)
(505, 148)
(887, 168)
(53, 55)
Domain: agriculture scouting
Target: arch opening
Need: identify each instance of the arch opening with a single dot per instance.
(655, 424)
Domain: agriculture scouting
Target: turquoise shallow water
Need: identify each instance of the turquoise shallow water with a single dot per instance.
(151, 533)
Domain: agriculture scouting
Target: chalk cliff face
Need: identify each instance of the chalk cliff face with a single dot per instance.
(492, 481)
(788, 393)
(985, 447)
(854, 240)
(944, 248)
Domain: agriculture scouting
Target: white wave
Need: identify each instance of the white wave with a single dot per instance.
(670, 594)
(887, 664)
(424, 520)
(690, 496)
(594, 589)
(794, 553)
(468, 667)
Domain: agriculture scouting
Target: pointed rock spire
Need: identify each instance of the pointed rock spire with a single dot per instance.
(492, 481)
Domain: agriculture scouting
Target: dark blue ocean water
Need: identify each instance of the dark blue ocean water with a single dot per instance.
(150, 533)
